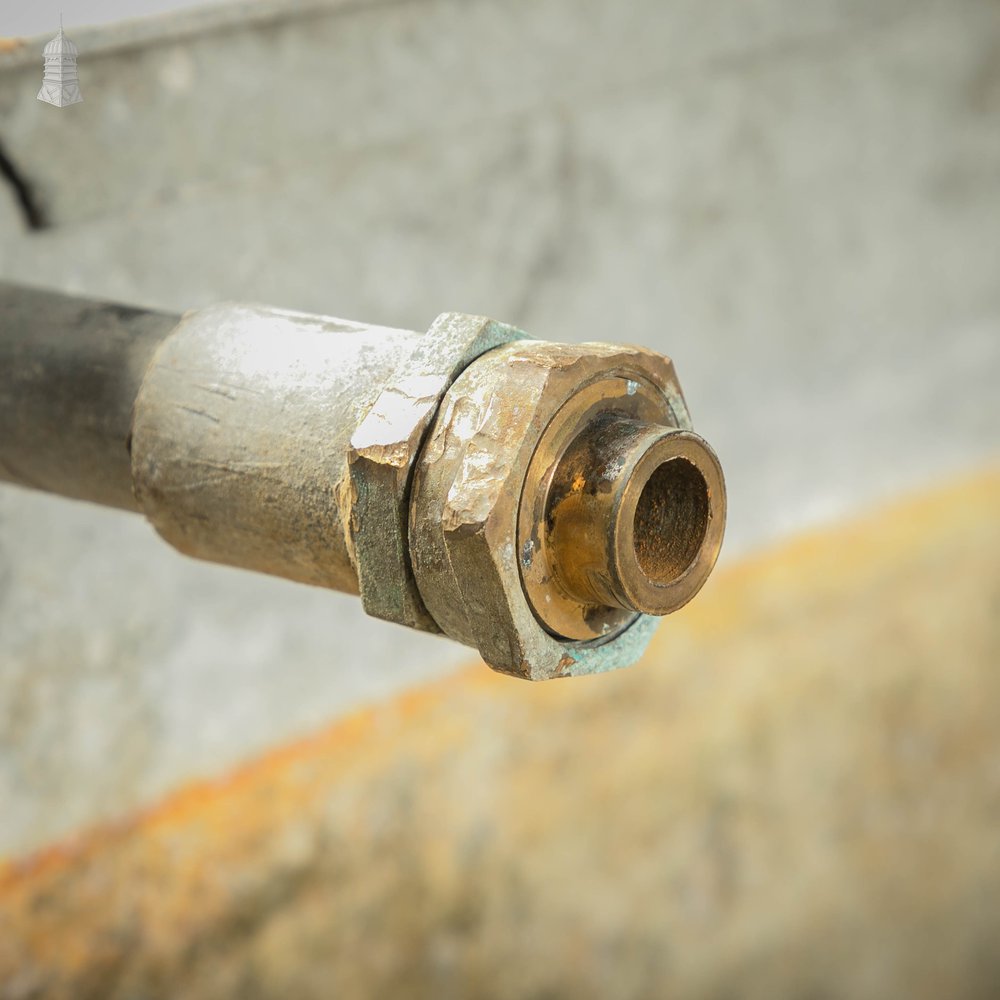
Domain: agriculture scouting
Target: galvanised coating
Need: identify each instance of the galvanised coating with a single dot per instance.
(242, 432)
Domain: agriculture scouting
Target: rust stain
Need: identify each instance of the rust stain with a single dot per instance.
(210, 797)
(403, 786)
(849, 548)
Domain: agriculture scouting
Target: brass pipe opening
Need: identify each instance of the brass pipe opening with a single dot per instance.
(668, 531)
(671, 519)
(633, 516)
(622, 510)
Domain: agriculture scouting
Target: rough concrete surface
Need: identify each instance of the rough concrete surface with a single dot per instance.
(799, 202)
(795, 795)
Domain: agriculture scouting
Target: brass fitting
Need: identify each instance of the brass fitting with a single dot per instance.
(541, 502)
(561, 503)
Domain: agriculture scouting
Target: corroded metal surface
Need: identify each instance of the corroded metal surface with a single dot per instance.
(383, 451)
(801, 803)
(484, 526)
(241, 436)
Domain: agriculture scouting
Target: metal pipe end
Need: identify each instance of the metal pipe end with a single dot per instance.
(637, 525)
(561, 503)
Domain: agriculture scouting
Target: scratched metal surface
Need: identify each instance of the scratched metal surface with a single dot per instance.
(798, 201)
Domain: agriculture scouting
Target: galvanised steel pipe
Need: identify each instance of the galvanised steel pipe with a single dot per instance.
(543, 503)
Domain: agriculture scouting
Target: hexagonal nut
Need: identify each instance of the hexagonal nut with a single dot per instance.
(382, 453)
(467, 491)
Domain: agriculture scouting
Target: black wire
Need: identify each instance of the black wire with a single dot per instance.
(24, 193)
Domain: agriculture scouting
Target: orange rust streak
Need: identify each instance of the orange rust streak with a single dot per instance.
(386, 802)
(192, 800)
(221, 802)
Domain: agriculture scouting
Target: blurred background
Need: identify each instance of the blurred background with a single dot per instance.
(215, 784)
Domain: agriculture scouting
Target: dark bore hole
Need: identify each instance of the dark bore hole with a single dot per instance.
(671, 520)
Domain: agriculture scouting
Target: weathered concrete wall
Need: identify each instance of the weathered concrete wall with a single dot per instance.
(799, 201)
